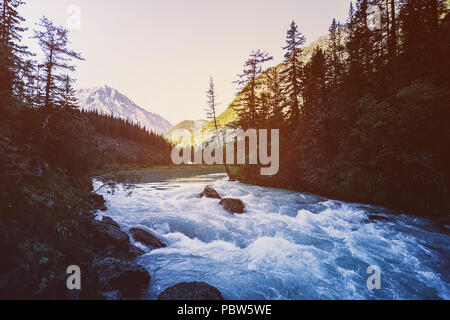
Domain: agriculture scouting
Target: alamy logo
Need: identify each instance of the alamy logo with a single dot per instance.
(233, 143)
(74, 280)
(374, 281)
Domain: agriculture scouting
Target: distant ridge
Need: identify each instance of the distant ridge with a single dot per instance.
(187, 125)
(107, 100)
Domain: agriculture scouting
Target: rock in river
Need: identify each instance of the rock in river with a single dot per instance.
(232, 205)
(209, 192)
(110, 221)
(191, 291)
(147, 238)
(115, 274)
(97, 201)
(107, 232)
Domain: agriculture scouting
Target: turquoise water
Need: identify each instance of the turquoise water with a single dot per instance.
(288, 245)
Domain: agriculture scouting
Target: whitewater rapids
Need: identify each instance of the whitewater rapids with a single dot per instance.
(288, 245)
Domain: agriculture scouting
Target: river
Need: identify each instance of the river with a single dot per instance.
(287, 245)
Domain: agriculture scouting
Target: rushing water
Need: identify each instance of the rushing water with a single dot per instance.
(288, 245)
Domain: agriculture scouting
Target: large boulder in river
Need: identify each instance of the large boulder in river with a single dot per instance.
(107, 232)
(107, 235)
(191, 291)
(147, 238)
(210, 192)
(115, 274)
(232, 205)
(97, 201)
(110, 221)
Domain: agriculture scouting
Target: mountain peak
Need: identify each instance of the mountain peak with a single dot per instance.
(109, 101)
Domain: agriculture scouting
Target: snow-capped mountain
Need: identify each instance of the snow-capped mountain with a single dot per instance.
(109, 101)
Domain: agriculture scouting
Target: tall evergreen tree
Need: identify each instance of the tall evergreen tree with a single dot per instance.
(67, 95)
(420, 36)
(276, 99)
(24, 84)
(211, 109)
(317, 117)
(360, 40)
(380, 32)
(13, 55)
(335, 52)
(211, 113)
(292, 72)
(363, 46)
(247, 109)
(263, 109)
(314, 83)
(54, 42)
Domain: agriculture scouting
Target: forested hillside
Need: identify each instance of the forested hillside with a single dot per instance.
(367, 118)
(231, 114)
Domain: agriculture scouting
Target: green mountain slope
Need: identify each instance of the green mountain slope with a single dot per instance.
(188, 125)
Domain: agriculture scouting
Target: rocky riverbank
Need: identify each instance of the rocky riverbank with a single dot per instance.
(36, 257)
(48, 222)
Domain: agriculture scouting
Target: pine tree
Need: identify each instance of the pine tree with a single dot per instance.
(54, 41)
(67, 96)
(351, 13)
(314, 88)
(263, 109)
(419, 23)
(361, 40)
(211, 113)
(380, 32)
(212, 104)
(23, 88)
(247, 109)
(360, 46)
(276, 99)
(292, 72)
(317, 117)
(335, 52)
(13, 55)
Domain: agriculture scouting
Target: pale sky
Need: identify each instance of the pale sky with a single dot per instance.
(161, 53)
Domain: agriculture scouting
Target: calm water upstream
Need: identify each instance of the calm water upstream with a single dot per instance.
(288, 245)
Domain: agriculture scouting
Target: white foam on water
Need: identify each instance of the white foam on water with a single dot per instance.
(287, 245)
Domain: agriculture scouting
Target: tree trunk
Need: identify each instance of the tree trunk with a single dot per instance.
(393, 33)
(49, 80)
